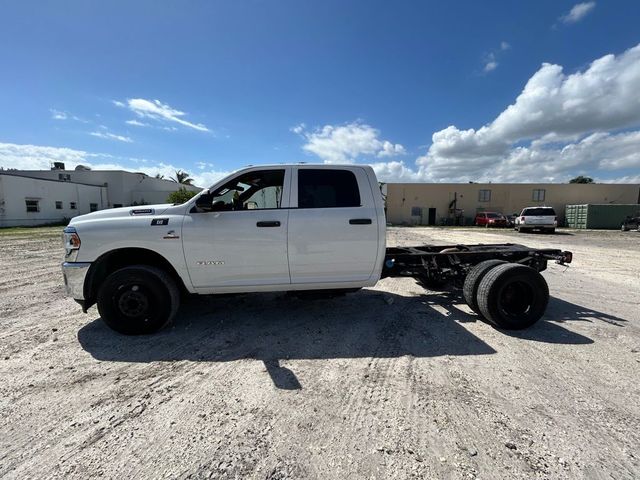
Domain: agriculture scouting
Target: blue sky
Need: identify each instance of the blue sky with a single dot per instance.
(421, 90)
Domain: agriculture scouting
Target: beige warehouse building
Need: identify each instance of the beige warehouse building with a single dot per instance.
(443, 203)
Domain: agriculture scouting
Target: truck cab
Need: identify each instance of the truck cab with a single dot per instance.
(267, 228)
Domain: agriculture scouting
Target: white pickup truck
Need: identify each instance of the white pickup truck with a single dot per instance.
(280, 228)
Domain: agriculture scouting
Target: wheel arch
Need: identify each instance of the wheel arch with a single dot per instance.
(113, 260)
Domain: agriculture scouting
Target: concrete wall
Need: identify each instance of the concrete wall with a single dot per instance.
(15, 190)
(123, 188)
(506, 198)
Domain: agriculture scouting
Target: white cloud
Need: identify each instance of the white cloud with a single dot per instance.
(561, 125)
(553, 109)
(490, 60)
(62, 115)
(299, 129)
(578, 12)
(58, 114)
(490, 66)
(391, 149)
(36, 157)
(347, 143)
(136, 123)
(111, 136)
(156, 110)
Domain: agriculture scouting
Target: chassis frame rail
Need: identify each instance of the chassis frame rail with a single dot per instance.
(445, 263)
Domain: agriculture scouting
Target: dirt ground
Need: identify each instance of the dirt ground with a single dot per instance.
(389, 382)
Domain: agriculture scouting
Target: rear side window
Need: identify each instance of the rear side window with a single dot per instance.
(539, 212)
(323, 188)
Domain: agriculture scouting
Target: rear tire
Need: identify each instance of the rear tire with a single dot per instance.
(473, 279)
(138, 300)
(513, 296)
(624, 228)
(552, 230)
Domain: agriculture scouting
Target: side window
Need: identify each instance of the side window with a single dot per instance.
(324, 188)
(538, 195)
(257, 190)
(32, 205)
(484, 195)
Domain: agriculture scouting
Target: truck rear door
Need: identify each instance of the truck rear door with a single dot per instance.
(333, 225)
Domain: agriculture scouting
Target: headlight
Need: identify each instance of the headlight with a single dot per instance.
(71, 241)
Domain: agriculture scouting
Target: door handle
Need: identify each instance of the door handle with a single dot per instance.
(272, 223)
(360, 221)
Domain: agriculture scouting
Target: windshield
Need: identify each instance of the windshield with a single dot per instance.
(494, 215)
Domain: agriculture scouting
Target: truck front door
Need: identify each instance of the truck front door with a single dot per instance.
(237, 235)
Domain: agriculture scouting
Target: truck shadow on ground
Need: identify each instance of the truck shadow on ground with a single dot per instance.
(273, 327)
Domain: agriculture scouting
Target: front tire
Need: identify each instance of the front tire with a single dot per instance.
(138, 300)
(513, 296)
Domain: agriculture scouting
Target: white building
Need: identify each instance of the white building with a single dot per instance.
(38, 197)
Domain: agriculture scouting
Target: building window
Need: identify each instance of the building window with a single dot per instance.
(538, 194)
(73, 205)
(32, 205)
(58, 205)
(416, 211)
(65, 177)
(323, 188)
(93, 207)
(484, 195)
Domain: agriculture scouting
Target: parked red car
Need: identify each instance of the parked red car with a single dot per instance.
(491, 219)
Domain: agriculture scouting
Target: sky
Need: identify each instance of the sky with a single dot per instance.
(424, 91)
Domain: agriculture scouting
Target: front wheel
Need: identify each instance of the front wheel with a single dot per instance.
(513, 296)
(138, 300)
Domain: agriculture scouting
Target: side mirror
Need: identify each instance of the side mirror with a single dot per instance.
(203, 202)
(251, 206)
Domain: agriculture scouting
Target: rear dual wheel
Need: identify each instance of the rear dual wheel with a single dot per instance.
(509, 295)
(473, 279)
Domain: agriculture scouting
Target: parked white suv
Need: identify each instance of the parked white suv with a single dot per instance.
(537, 218)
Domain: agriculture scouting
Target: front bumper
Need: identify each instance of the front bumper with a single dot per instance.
(74, 274)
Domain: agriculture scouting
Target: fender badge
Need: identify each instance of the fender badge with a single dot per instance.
(210, 262)
(159, 221)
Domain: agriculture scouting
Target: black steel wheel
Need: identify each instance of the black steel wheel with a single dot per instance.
(138, 300)
(473, 279)
(513, 296)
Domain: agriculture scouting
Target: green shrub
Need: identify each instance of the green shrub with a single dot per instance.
(180, 196)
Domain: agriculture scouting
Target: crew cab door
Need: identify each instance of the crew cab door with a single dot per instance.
(333, 225)
(238, 237)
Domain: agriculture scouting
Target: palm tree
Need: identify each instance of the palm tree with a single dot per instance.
(159, 176)
(182, 178)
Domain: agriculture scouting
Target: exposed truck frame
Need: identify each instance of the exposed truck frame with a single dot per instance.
(441, 264)
(501, 282)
